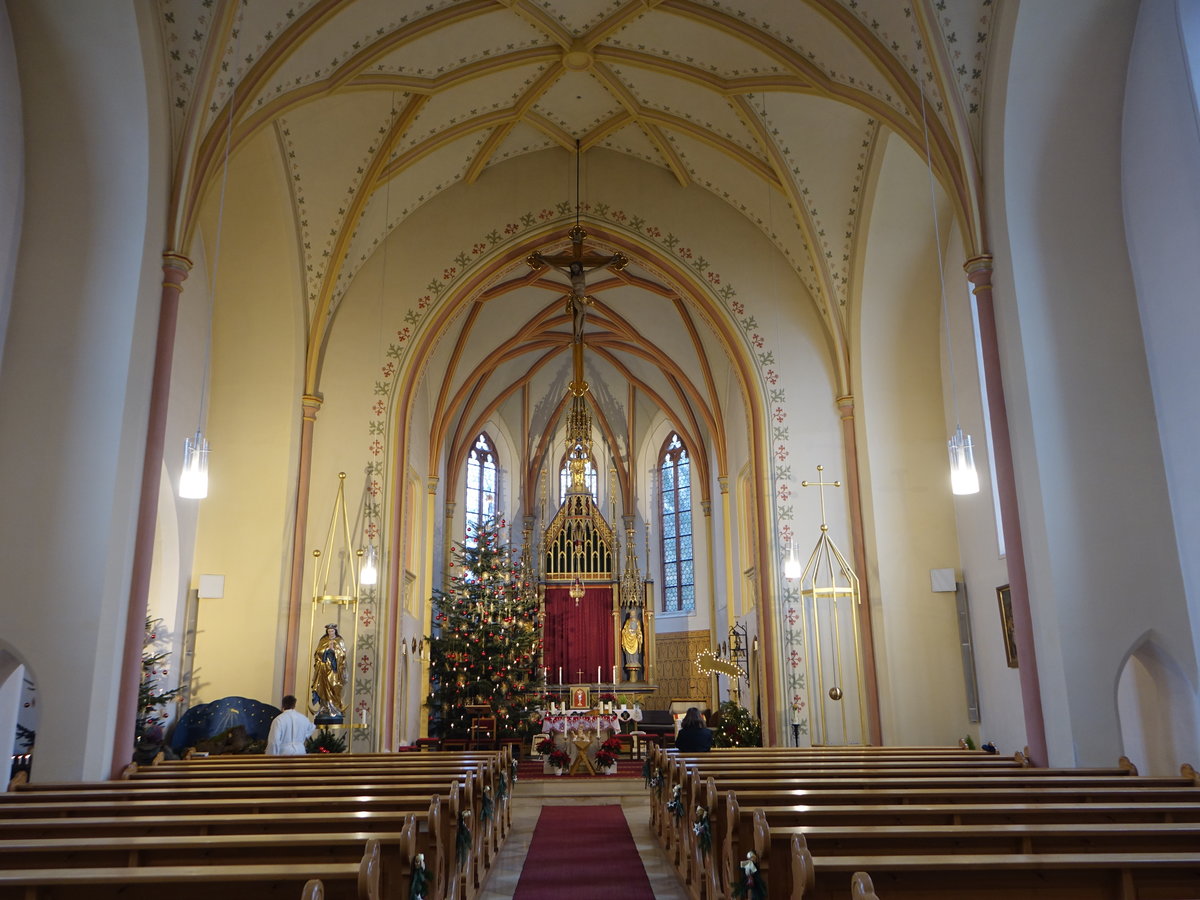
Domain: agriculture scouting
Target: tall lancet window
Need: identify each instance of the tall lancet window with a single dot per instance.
(679, 565)
(482, 465)
(589, 478)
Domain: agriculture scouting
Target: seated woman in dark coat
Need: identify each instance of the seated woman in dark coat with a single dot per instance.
(693, 737)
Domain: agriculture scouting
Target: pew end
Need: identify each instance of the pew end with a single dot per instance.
(861, 887)
(314, 889)
(1126, 763)
(1187, 771)
(370, 874)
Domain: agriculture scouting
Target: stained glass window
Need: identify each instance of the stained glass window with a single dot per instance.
(482, 466)
(675, 508)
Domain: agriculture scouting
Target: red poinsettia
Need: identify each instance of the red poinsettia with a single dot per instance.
(560, 759)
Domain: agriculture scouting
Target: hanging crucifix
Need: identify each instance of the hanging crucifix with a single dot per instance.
(576, 265)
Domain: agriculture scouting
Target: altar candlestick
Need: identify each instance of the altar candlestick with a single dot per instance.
(597, 676)
(560, 676)
(614, 678)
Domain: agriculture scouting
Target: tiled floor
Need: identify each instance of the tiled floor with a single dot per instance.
(530, 796)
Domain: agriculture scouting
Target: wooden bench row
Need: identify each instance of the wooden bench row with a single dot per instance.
(330, 819)
(915, 832)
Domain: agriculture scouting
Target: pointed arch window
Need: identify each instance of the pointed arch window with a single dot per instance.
(482, 466)
(589, 478)
(675, 509)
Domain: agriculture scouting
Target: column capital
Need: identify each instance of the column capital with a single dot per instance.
(175, 270)
(979, 270)
(845, 405)
(723, 483)
(706, 507)
(431, 484)
(310, 405)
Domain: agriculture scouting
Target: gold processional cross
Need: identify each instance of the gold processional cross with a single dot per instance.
(822, 485)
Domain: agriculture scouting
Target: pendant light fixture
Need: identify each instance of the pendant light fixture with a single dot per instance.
(193, 478)
(964, 479)
(368, 557)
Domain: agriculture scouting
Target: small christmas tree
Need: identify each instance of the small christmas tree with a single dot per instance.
(486, 641)
(151, 699)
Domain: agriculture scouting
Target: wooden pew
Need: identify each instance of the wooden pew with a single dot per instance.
(677, 837)
(730, 839)
(396, 852)
(353, 881)
(436, 832)
(1161, 875)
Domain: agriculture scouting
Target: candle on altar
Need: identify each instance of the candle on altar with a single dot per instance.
(362, 715)
(560, 676)
(597, 676)
(614, 678)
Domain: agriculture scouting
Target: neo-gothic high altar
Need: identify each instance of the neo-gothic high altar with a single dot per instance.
(598, 619)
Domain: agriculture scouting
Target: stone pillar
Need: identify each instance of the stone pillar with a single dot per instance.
(979, 273)
(175, 271)
(310, 404)
(854, 501)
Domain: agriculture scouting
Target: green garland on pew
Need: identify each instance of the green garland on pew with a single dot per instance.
(646, 771)
(463, 845)
(656, 782)
(485, 808)
(675, 804)
(750, 884)
(514, 771)
(703, 830)
(502, 787)
(420, 879)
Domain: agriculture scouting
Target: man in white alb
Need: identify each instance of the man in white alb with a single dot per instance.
(289, 731)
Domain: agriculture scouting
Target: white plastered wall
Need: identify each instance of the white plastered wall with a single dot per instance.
(1094, 507)
(909, 516)
(253, 420)
(1160, 163)
(12, 164)
(74, 386)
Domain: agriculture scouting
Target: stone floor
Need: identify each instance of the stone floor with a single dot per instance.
(530, 796)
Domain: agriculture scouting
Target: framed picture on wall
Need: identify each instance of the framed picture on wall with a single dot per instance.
(1004, 597)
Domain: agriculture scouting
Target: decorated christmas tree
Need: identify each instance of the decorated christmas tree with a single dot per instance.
(487, 640)
(152, 699)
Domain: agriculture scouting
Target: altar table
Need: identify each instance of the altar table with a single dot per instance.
(581, 723)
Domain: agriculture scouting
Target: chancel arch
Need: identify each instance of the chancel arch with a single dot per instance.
(498, 384)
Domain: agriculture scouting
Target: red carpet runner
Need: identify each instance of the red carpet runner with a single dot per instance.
(583, 853)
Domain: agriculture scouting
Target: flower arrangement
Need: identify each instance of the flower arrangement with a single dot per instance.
(608, 698)
(559, 759)
(606, 756)
(325, 741)
(545, 746)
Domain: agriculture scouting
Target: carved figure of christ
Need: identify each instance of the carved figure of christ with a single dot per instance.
(576, 265)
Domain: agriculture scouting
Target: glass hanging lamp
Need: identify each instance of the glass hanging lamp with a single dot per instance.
(193, 479)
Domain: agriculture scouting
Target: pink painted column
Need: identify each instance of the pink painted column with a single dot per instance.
(854, 500)
(309, 405)
(979, 273)
(175, 272)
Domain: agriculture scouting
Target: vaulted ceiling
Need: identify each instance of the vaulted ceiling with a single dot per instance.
(770, 105)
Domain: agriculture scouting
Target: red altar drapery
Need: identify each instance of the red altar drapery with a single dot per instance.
(579, 638)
